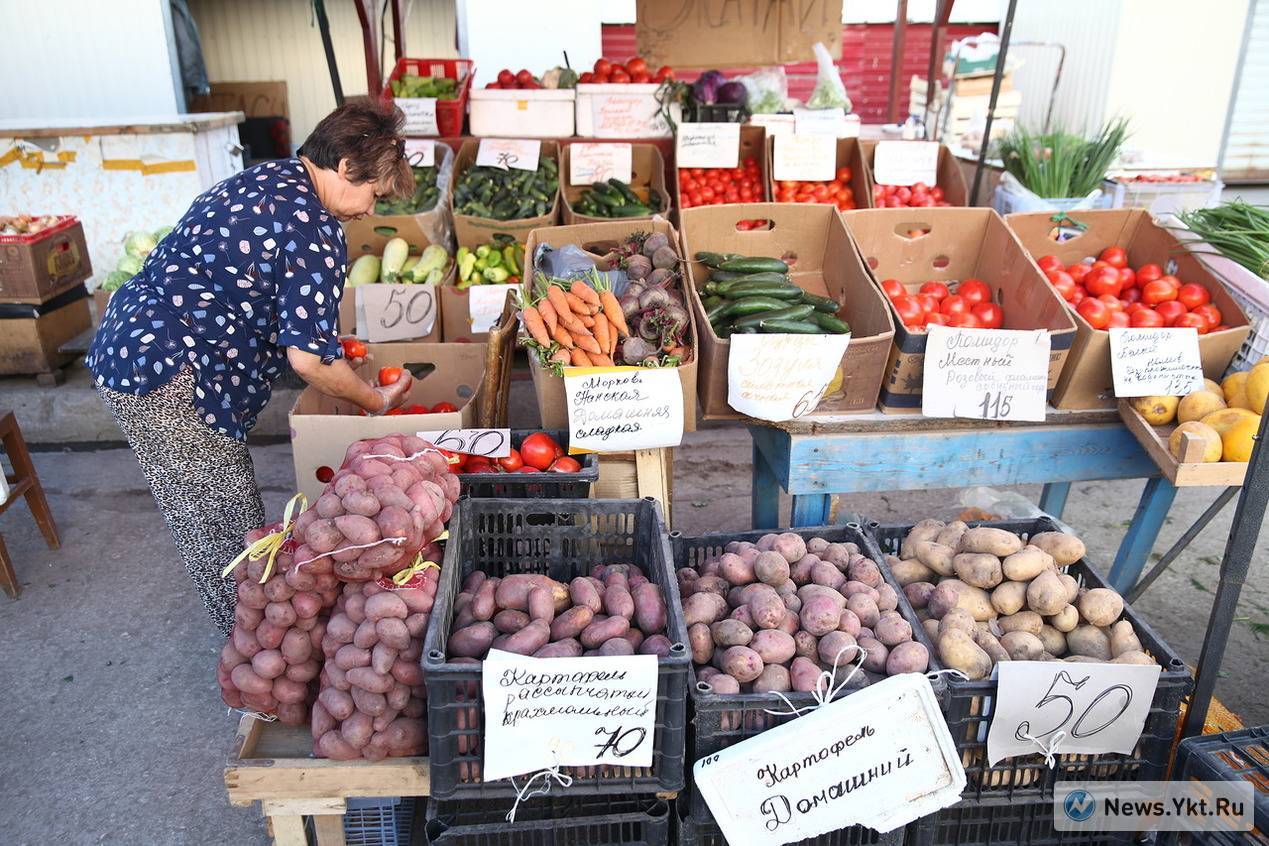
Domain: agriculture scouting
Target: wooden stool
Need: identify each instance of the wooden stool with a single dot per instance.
(23, 482)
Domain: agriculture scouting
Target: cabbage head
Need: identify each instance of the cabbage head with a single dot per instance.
(160, 232)
(139, 243)
(130, 265)
(114, 280)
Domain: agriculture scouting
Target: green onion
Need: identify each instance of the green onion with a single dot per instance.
(1058, 165)
(1237, 230)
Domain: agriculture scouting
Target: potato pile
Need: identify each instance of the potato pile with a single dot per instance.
(373, 703)
(378, 494)
(771, 616)
(985, 595)
(615, 610)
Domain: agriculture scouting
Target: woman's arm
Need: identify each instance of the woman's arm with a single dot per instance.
(338, 380)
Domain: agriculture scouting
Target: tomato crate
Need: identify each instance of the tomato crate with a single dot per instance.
(563, 539)
(1025, 819)
(449, 113)
(969, 703)
(617, 820)
(719, 721)
(533, 485)
(1241, 755)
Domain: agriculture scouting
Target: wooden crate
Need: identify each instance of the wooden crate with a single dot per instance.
(632, 475)
(1154, 439)
(271, 764)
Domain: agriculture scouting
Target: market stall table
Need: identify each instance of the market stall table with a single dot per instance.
(887, 452)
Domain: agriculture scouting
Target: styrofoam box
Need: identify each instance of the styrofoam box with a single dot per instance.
(1167, 197)
(616, 110)
(527, 113)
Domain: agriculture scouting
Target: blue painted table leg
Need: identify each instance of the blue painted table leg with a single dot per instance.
(765, 504)
(1053, 498)
(1156, 499)
(810, 510)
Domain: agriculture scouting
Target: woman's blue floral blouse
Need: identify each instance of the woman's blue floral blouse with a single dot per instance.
(256, 265)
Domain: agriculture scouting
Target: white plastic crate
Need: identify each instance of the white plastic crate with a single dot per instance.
(528, 113)
(623, 110)
(1165, 197)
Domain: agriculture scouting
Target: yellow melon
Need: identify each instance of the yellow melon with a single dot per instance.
(1213, 386)
(1198, 405)
(1232, 384)
(1158, 411)
(1211, 440)
(1241, 400)
(1258, 387)
(1238, 440)
(1226, 417)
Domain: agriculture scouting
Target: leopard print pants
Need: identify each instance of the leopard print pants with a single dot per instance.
(203, 482)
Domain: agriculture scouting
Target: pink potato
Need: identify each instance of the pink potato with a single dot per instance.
(542, 605)
(248, 680)
(909, 657)
(767, 610)
(618, 602)
(918, 593)
(600, 631)
(742, 663)
(247, 617)
(864, 570)
(472, 641)
(657, 644)
(332, 745)
(483, 602)
(805, 644)
(849, 623)
(322, 721)
(364, 503)
(384, 605)
(304, 672)
(865, 609)
(705, 608)
(820, 615)
(582, 592)
(407, 672)
(277, 589)
(393, 633)
(804, 674)
(529, 639)
(571, 623)
(357, 729)
(367, 679)
(382, 657)
(252, 595)
(649, 608)
(301, 579)
(700, 641)
(510, 622)
(270, 635)
(774, 678)
(771, 568)
(800, 572)
(773, 646)
(791, 622)
(736, 570)
(365, 636)
(566, 648)
(876, 654)
(287, 691)
(268, 664)
(349, 657)
(615, 646)
(826, 574)
(722, 684)
(837, 646)
(306, 604)
(790, 545)
(416, 624)
(891, 629)
(280, 614)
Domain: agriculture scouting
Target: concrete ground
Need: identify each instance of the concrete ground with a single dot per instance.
(114, 729)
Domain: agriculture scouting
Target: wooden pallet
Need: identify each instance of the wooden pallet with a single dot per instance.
(1189, 471)
(271, 764)
(634, 475)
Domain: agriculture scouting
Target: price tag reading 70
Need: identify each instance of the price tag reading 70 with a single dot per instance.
(491, 443)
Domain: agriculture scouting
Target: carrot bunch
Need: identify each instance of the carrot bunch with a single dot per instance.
(574, 322)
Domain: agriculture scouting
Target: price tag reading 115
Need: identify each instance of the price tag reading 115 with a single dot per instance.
(989, 374)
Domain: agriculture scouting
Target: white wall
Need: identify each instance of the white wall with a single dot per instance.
(86, 58)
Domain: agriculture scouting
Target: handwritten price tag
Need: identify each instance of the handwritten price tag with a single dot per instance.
(485, 302)
(989, 374)
(599, 163)
(834, 123)
(1155, 362)
(781, 377)
(395, 312)
(572, 712)
(491, 443)
(616, 115)
(806, 158)
(420, 115)
(906, 162)
(420, 152)
(775, 124)
(708, 145)
(617, 409)
(507, 153)
(1085, 709)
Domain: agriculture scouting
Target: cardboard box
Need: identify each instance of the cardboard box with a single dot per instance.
(753, 144)
(950, 177)
(827, 265)
(529, 113)
(253, 99)
(596, 238)
(473, 231)
(34, 269)
(959, 244)
(647, 175)
(322, 427)
(623, 110)
(437, 223)
(710, 33)
(849, 154)
(1087, 382)
(31, 335)
(368, 237)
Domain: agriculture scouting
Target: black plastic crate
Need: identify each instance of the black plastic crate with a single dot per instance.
(545, 485)
(1025, 819)
(693, 832)
(1241, 755)
(719, 113)
(719, 721)
(968, 708)
(562, 538)
(551, 821)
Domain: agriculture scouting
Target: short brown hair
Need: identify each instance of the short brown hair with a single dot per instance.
(368, 135)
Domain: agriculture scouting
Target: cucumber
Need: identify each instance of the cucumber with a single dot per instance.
(710, 302)
(790, 327)
(780, 291)
(754, 264)
(725, 276)
(763, 278)
(796, 312)
(751, 305)
(718, 311)
(712, 289)
(631, 210)
(829, 323)
(823, 304)
(714, 260)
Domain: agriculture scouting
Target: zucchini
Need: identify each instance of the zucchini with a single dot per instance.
(780, 291)
(395, 252)
(829, 323)
(754, 264)
(795, 312)
(823, 304)
(790, 327)
(364, 271)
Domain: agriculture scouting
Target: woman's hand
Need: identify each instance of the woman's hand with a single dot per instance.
(338, 380)
(394, 395)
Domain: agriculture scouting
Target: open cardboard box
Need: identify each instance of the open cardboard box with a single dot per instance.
(473, 231)
(600, 236)
(957, 244)
(1087, 382)
(322, 428)
(753, 144)
(368, 236)
(949, 176)
(647, 176)
(827, 265)
(849, 154)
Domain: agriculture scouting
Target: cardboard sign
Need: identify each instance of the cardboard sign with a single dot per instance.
(599, 162)
(491, 443)
(1086, 709)
(420, 115)
(617, 409)
(1155, 362)
(831, 122)
(906, 162)
(781, 377)
(806, 158)
(711, 34)
(776, 124)
(880, 757)
(567, 712)
(508, 153)
(420, 152)
(708, 145)
(988, 374)
(395, 312)
(626, 115)
(485, 302)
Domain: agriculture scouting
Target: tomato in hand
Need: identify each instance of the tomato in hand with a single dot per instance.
(990, 315)
(1095, 312)
(1170, 310)
(1116, 257)
(354, 348)
(390, 375)
(566, 464)
(512, 461)
(1193, 321)
(444, 408)
(538, 450)
(1191, 295)
(1145, 318)
(938, 289)
(892, 288)
(1210, 313)
(974, 291)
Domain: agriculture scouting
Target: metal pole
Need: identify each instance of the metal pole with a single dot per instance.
(370, 44)
(323, 26)
(896, 58)
(995, 94)
(398, 35)
(942, 12)
(1177, 548)
(1238, 551)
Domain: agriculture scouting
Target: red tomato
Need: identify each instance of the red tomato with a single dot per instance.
(603, 66)
(954, 304)
(892, 288)
(478, 464)
(1191, 295)
(1132, 295)
(937, 318)
(1116, 257)
(506, 77)
(1128, 277)
(523, 77)
(538, 450)
(1170, 310)
(527, 469)
(640, 77)
(586, 78)
(1192, 320)
(1095, 312)
(1112, 302)
(619, 75)
(1148, 273)
(1209, 313)
(974, 291)
(1078, 271)
(964, 320)
(512, 461)
(457, 460)
(354, 348)
(929, 303)
(938, 289)
(566, 464)
(843, 174)
(1079, 296)
(1118, 320)
(1158, 291)
(324, 474)
(390, 375)
(1062, 283)
(637, 65)
(908, 308)
(1103, 281)
(664, 72)
(990, 315)
(1145, 318)
(1172, 281)
(415, 409)
(444, 408)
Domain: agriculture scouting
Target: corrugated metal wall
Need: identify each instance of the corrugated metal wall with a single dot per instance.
(1246, 153)
(251, 40)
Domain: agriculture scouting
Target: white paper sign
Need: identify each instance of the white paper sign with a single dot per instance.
(617, 409)
(880, 757)
(570, 712)
(420, 152)
(906, 162)
(775, 124)
(708, 145)
(507, 153)
(988, 374)
(599, 162)
(1155, 362)
(834, 123)
(781, 377)
(806, 158)
(1086, 709)
(395, 312)
(616, 115)
(420, 115)
(491, 443)
(485, 303)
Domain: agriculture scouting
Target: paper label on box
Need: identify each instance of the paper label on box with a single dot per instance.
(831, 122)
(599, 162)
(906, 162)
(988, 374)
(542, 713)
(617, 409)
(420, 152)
(1155, 362)
(420, 115)
(626, 116)
(775, 124)
(806, 158)
(508, 153)
(782, 377)
(491, 443)
(707, 145)
(395, 312)
(1085, 709)
(485, 303)
(880, 757)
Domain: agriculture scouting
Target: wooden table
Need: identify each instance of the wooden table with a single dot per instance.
(887, 452)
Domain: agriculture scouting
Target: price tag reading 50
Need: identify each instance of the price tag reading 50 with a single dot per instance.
(395, 312)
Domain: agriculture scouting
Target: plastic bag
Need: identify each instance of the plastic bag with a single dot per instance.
(829, 92)
(571, 261)
(1012, 196)
(768, 90)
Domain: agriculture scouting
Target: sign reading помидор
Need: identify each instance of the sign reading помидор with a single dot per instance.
(1206, 806)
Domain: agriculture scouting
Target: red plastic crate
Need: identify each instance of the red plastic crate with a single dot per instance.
(66, 222)
(449, 113)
